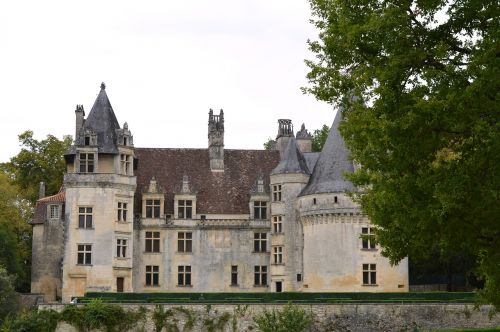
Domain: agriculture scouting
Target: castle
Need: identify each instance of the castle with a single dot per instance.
(204, 220)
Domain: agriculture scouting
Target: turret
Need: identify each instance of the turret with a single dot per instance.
(216, 141)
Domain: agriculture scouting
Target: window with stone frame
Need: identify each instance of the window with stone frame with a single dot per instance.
(260, 275)
(54, 211)
(122, 211)
(277, 224)
(121, 248)
(85, 217)
(185, 242)
(153, 208)
(234, 275)
(368, 238)
(152, 242)
(184, 275)
(185, 209)
(84, 254)
(369, 274)
(152, 275)
(278, 254)
(260, 210)
(125, 164)
(260, 242)
(86, 161)
(277, 193)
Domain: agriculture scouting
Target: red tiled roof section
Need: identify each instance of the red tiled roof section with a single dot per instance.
(225, 192)
(41, 206)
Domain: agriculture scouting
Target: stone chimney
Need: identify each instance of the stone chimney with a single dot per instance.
(79, 115)
(304, 140)
(41, 190)
(285, 131)
(216, 141)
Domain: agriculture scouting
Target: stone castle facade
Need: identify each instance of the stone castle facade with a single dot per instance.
(204, 220)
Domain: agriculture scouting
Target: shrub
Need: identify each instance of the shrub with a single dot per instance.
(291, 319)
(32, 321)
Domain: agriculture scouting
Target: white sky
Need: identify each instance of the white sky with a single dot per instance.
(165, 63)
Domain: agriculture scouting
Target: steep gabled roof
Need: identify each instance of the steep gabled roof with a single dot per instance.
(103, 122)
(333, 162)
(293, 161)
(225, 192)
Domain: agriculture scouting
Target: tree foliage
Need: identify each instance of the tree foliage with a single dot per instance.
(15, 233)
(9, 299)
(319, 138)
(425, 121)
(38, 160)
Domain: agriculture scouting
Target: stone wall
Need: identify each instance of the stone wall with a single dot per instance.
(330, 317)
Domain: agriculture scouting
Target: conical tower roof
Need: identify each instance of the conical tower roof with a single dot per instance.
(103, 122)
(333, 162)
(293, 161)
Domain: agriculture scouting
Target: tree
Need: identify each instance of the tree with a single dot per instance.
(270, 144)
(424, 123)
(319, 138)
(15, 234)
(36, 162)
(9, 299)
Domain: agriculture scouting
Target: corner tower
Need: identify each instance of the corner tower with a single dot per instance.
(216, 141)
(100, 185)
(340, 252)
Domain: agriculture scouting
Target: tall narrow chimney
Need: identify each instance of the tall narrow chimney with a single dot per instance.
(79, 115)
(41, 190)
(285, 131)
(216, 141)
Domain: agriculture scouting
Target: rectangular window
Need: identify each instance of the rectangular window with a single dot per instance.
(54, 211)
(152, 275)
(259, 242)
(277, 193)
(184, 242)
(84, 217)
(277, 224)
(152, 208)
(125, 162)
(367, 238)
(260, 210)
(84, 254)
(260, 275)
(185, 209)
(278, 254)
(121, 248)
(299, 277)
(152, 241)
(369, 274)
(184, 275)
(234, 275)
(86, 163)
(122, 211)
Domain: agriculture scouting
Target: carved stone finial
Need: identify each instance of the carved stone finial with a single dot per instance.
(103, 86)
(125, 126)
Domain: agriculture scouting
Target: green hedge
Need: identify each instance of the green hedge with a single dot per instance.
(430, 297)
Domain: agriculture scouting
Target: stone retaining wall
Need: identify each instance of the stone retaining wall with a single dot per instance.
(330, 317)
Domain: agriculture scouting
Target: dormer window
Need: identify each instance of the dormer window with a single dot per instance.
(125, 141)
(260, 210)
(54, 212)
(86, 163)
(125, 164)
(87, 140)
(152, 208)
(185, 209)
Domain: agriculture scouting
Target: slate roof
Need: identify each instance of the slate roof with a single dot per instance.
(225, 192)
(293, 161)
(102, 120)
(40, 214)
(333, 162)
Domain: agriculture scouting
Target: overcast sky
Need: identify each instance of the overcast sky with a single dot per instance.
(165, 63)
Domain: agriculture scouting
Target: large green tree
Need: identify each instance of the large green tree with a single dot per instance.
(38, 160)
(424, 123)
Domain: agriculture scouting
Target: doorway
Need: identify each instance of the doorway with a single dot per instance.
(279, 286)
(119, 284)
